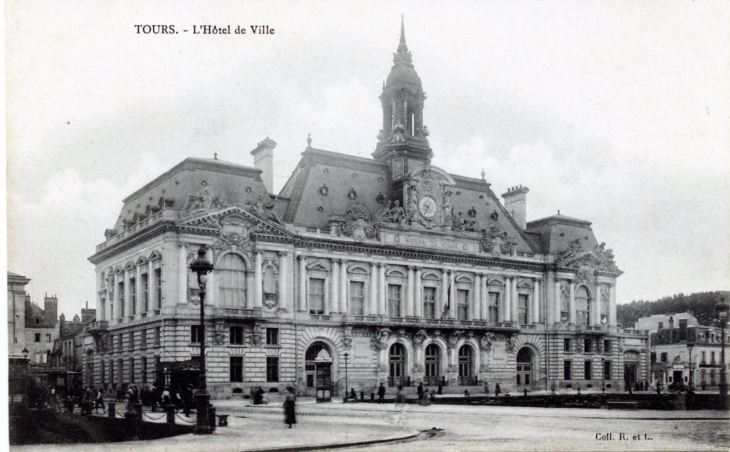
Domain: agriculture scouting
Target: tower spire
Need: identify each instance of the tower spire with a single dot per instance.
(402, 55)
(402, 31)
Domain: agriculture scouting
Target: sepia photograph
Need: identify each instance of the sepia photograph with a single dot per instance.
(371, 226)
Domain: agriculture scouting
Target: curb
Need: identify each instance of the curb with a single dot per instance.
(335, 445)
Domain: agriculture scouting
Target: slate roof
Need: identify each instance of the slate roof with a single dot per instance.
(557, 231)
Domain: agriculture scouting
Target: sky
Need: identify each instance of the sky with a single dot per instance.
(614, 112)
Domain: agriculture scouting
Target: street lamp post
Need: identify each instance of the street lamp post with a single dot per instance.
(201, 267)
(603, 372)
(690, 346)
(722, 310)
(347, 355)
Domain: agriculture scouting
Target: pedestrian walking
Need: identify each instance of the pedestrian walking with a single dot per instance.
(154, 396)
(497, 390)
(290, 415)
(381, 393)
(420, 391)
(99, 403)
(165, 397)
(440, 390)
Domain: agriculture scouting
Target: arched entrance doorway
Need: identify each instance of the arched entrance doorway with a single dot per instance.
(466, 366)
(524, 368)
(432, 366)
(397, 361)
(318, 370)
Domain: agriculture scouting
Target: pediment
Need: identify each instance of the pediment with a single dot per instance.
(318, 266)
(591, 260)
(234, 220)
(432, 173)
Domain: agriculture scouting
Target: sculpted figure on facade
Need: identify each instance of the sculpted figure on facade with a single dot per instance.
(447, 210)
(263, 209)
(357, 224)
(395, 214)
(413, 197)
(201, 201)
(485, 342)
(380, 341)
(569, 250)
(419, 337)
(496, 241)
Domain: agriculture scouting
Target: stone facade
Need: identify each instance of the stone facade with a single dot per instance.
(395, 270)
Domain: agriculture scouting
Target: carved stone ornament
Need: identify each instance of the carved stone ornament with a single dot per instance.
(586, 275)
(574, 255)
(110, 285)
(419, 337)
(347, 343)
(509, 347)
(388, 214)
(265, 210)
(202, 201)
(486, 342)
(398, 133)
(496, 241)
(380, 340)
(454, 338)
(357, 224)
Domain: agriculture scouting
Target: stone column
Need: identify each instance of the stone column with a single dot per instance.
(373, 293)
(302, 283)
(558, 301)
(444, 293)
(182, 273)
(612, 305)
(151, 287)
(571, 305)
(507, 308)
(334, 305)
(211, 289)
(418, 296)
(258, 281)
(114, 313)
(596, 307)
(343, 287)
(452, 294)
(284, 300)
(484, 299)
(137, 290)
(382, 283)
(536, 302)
(476, 299)
(409, 293)
(514, 303)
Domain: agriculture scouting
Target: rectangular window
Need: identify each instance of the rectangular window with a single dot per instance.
(143, 369)
(158, 288)
(236, 369)
(661, 325)
(158, 336)
(394, 300)
(120, 371)
(133, 296)
(606, 346)
(566, 345)
(588, 345)
(664, 357)
(462, 304)
(131, 335)
(429, 302)
(119, 342)
(272, 336)
(607, 370)
(131, 370)
(712, 357)
(122, 299)
(494, 306)
(523, 308)
(48, 337)
(37, 337)
(566, 369)
(316, 296)
(272, 369)
(112, 375)
(357, 297)
(143, 339)
(587, 370)
(145, 292)
(236, 335)
(704, 357)
(195, 334)
(103, 372)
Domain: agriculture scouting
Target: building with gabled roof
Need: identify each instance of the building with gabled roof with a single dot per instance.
(392, 267)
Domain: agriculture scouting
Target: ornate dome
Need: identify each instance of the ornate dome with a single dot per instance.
(403, 71)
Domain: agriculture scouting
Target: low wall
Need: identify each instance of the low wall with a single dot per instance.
(47, 427)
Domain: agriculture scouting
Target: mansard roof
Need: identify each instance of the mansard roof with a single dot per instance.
(229, 182)
(556, 232)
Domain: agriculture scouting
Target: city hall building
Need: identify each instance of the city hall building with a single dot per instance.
(375, 270)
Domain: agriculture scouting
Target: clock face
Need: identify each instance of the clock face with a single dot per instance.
(427, 207)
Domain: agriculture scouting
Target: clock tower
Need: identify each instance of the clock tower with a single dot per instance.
(403, 142)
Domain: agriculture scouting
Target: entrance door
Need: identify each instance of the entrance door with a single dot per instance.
(524, 368)
(324, 382)
(432, 365)
(630, 376)
(397, 365)
(677, 378)
(466, 366)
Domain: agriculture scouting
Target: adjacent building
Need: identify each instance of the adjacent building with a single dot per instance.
(375, 270)
(673, 338)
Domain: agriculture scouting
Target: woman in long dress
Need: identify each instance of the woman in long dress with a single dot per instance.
(290, 416)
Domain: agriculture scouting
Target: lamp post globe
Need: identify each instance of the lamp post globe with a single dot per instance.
(722, 313)
(201, 267)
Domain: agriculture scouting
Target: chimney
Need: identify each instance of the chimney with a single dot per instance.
(50, 308)
(263, 159)
(515, 201)
(87, 315)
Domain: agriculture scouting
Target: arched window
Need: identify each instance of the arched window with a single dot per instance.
(309, 363)
(397, 365)
(466, 366)
(432, 365)
(582, 306)
(232, 280)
